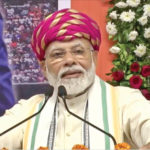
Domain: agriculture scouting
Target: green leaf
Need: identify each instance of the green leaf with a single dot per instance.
(117, 63)
(115, 38)
(125, 53)
(122, 46)
(110, 10)
(108, 74)
(119, 38)
(145, 85)
(124, 83)
(110, 37)
(114, 83)
(126, 36)
(139, 9)
(128, 76)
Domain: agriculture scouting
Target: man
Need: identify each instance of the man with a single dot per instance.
(6, 93)
(66, 43)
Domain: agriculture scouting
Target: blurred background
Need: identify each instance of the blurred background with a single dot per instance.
(20, 18)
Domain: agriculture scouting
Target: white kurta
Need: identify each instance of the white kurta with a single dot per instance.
(69, 128)
(128, 116)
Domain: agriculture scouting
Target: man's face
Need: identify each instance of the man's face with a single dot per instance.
(70, 64)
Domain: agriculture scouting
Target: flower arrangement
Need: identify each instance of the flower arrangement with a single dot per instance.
(120, 146)
(79, 147)
(75, 147)
(128, 25)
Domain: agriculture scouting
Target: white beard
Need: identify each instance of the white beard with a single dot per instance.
(74, 85)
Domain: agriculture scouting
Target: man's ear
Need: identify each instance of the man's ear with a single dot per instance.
(43, 66)
(95, 57)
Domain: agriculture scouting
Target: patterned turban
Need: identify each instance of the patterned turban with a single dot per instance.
(64, 25)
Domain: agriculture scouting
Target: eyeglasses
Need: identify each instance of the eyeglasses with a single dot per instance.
(61, 54)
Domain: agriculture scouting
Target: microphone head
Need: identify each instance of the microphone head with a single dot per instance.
(49, 92)
(62, 91)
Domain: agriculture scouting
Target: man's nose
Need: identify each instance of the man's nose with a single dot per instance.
(69, 59)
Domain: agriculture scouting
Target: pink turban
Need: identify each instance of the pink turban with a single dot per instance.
(64, 25)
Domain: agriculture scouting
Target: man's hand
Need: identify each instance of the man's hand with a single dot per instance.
(147, 146)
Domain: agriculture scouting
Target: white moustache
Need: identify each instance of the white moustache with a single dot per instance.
(71, 70)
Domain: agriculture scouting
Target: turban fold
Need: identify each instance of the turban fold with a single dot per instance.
(64, 25)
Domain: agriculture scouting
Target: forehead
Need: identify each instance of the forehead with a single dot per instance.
(75, 43)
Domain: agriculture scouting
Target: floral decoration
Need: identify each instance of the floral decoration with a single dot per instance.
(128, 25)
(122, 146)
(43, 148)
(79, 147)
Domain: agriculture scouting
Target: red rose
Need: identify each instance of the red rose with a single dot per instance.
(118, 75)
(135, 67)
(145, 71)
(146, 93)
(135, 82)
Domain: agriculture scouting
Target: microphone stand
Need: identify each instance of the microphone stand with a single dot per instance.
(62, 94)
(47, 96)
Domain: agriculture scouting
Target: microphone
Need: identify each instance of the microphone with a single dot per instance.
(63, 93)
(48, 94)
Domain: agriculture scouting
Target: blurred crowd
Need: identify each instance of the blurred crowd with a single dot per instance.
(19, 25)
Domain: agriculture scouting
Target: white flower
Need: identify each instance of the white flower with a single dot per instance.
(143, 20)
(127, 16)
(114, 49)
(133, 35)
(121, 5)
(111, 28)
(147, 33)
(147, 10)
(133, 3)
(140, 50)
(113, 15)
